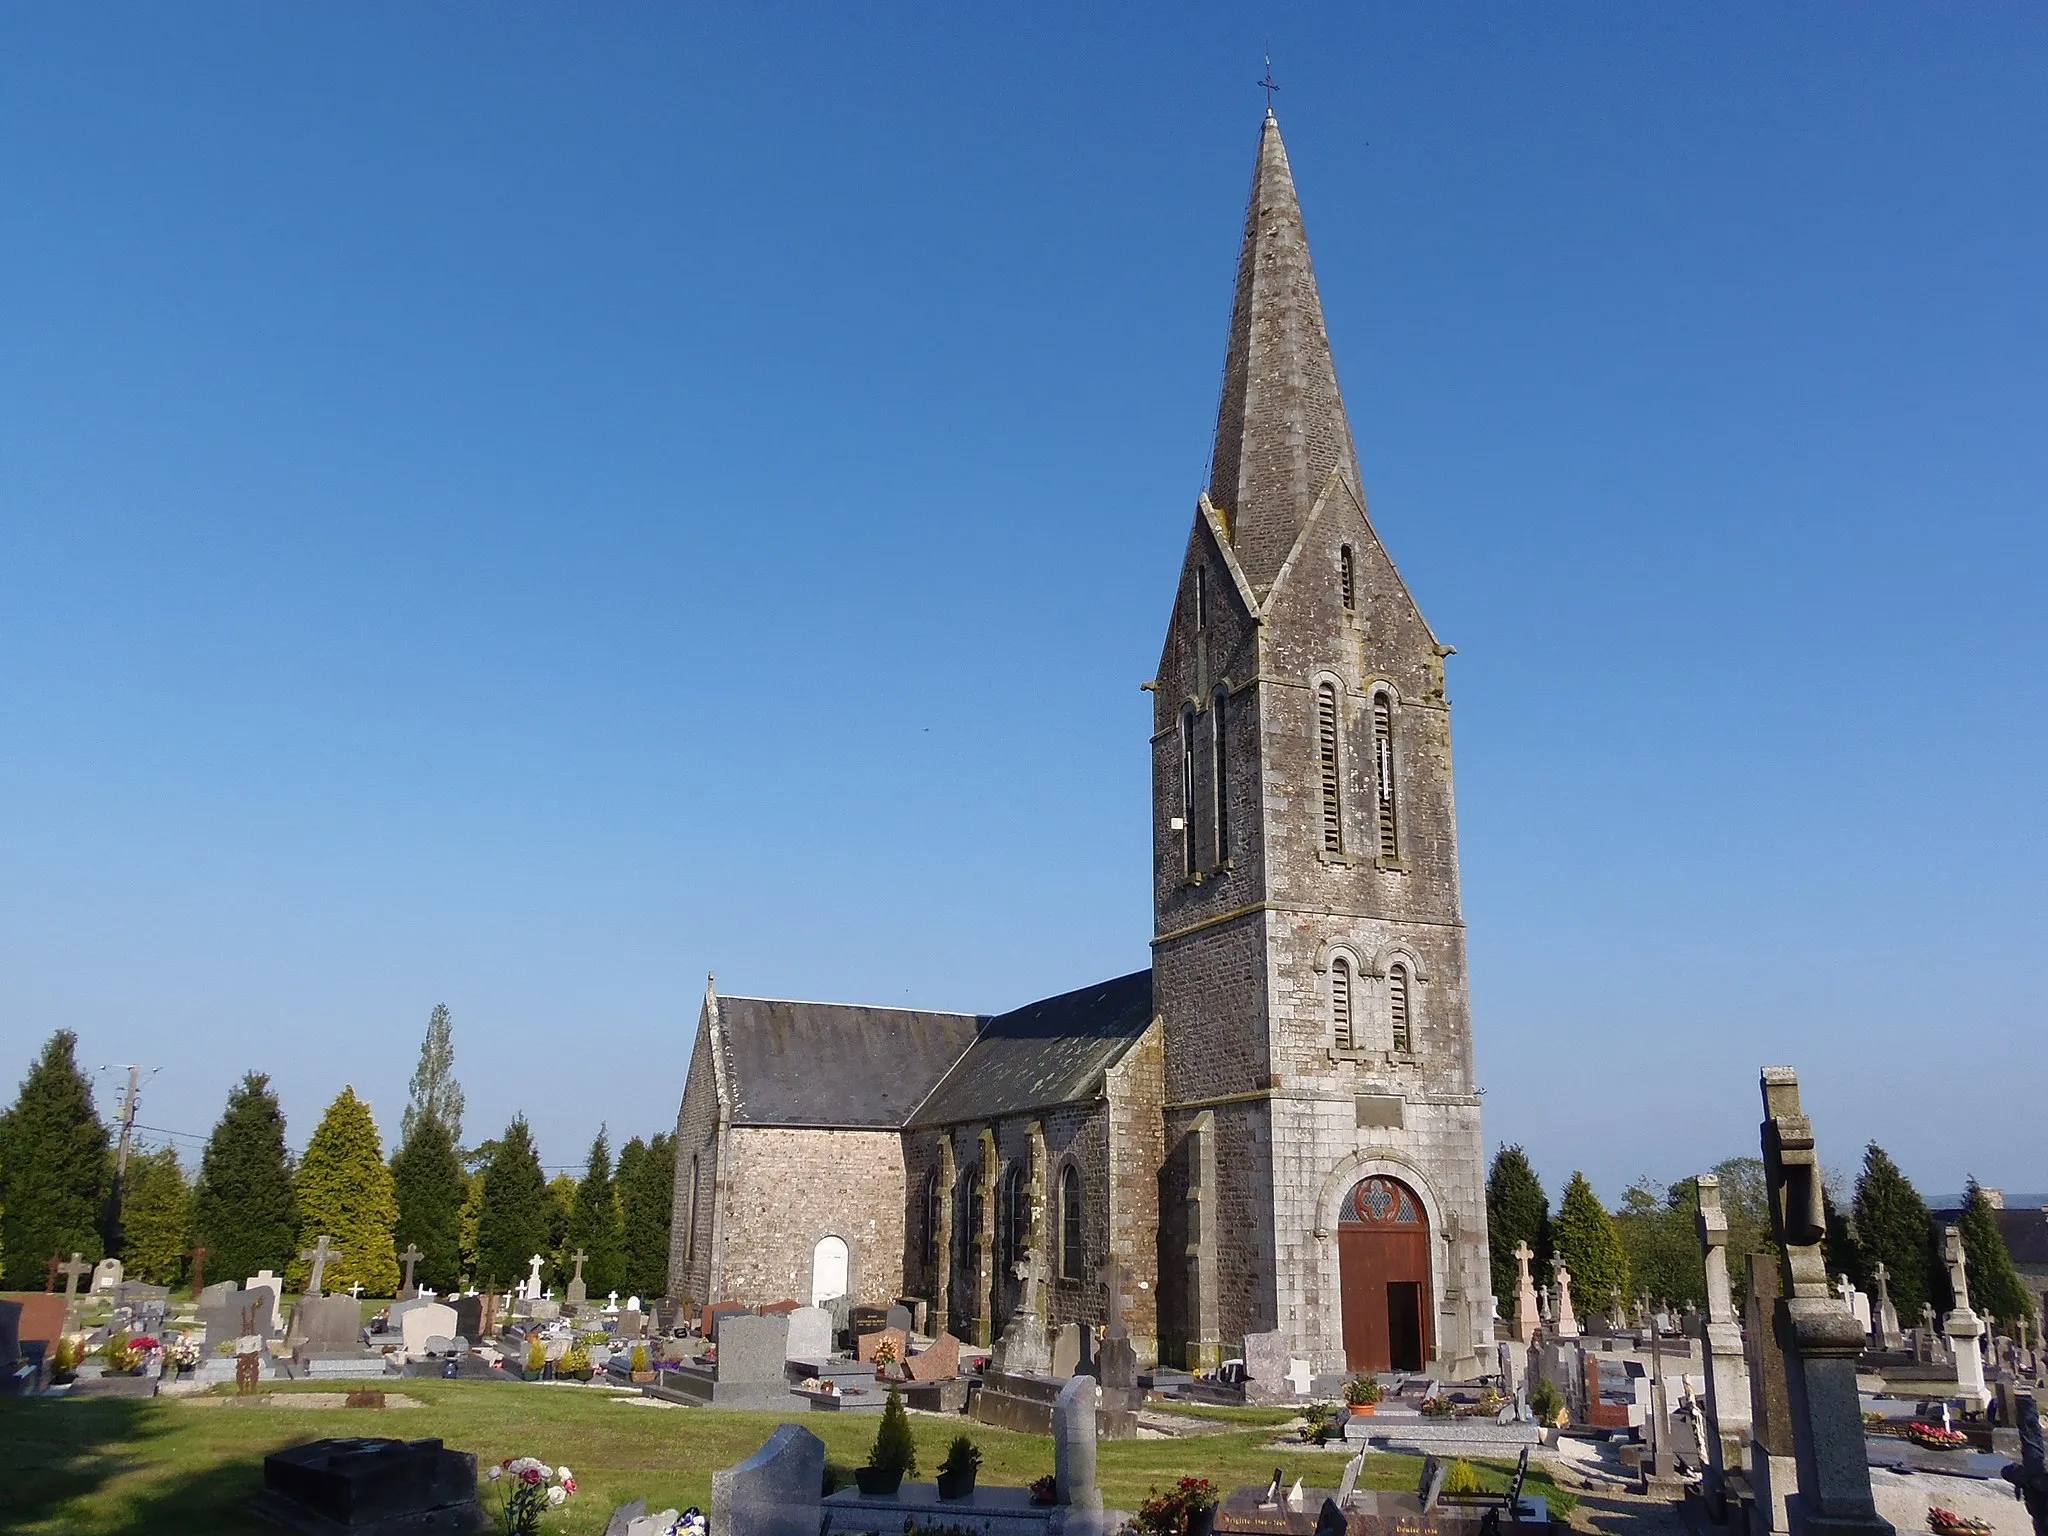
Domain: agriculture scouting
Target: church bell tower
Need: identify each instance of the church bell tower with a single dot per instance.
(1325, 1171)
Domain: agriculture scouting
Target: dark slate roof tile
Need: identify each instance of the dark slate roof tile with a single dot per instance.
(835, 1064)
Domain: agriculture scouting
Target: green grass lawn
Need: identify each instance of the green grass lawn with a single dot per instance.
(107, 1467)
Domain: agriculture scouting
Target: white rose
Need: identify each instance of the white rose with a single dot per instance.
(562, 1473)
(494, 1474)
(557, 1498)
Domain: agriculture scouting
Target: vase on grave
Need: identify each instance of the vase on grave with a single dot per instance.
(878, 1482)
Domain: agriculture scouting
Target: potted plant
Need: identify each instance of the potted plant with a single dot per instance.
(642, 1367)
(1188, 1508)
(1362, 1394)
(183, 1356)
(1045, 1489)
(536, 1361)
(894, 1454)
(956, 1472)
(574, 1365)
(64, 1369)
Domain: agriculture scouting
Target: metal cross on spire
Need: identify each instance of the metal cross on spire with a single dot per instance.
(1269, 85)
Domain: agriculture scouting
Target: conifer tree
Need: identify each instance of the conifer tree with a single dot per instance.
(242, 1203)
(594, 1223)
(55, 1170)
(1995, 1285)
(344, 1190)
(1894, 1229)
(1585, 1239)
(155, 1210)
(561, 1203)
(514, 1211)
(428, 1183)
(1659, 1236)
(1839, 1247)
(1517, 1211)
(434, 1090)
(647, 1185)
(472, 1220)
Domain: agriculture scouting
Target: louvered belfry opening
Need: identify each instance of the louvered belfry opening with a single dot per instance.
(1397, 1004)
(1326, 755)
(1347, 578)
(1340, 1001)
(1383, 775)
(1187, 790)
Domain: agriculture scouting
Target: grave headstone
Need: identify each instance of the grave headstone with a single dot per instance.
(1265, 1361)
(939, 1363)
(810, 1334)
(1116, 1361)
(319, 1256)
(1073, 1448)
(423, 1322)
(1962, 1326)
(1724, 1435)
(264, 1280)
(1566, 1324)
(775, 1491)
(409, 1258)
(235, 1314)
(631, 1324)
(106, 1277)
(1527, 1320)
(578, 1293)
(1024, 1348)
(752, 1349)
(1819, 1335)
(327, 1325)
(371, 1484)
(899, 1317)
(469, 1316)
(864, 1347)
(1069, 1351)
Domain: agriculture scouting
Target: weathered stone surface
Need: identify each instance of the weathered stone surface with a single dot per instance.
(775, 1491)
(1073, 1445)
(810, 1334)
(753, 1349)
(939, 1363)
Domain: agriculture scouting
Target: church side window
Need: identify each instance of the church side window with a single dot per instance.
(1398, 1006)
(970, 1211)
(1187, 790)
(1219, 773)
(1328, 766)
(1347, 579)
(1340, 1002)
(690, 1215)
(1013, 1218)
(1383, 776)
(1070, 1223)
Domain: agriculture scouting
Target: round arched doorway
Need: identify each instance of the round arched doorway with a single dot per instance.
(1383, 1267)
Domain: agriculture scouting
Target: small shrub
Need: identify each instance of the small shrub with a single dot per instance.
(1166, 1514)
(963, 1455)
(536, 1355)
(895, 1448)
(574, 1362)
(1462, 1477)
(638, 1360)
(1317, 1421)
(1438, 1408)
(1546, 1402)
(1362, 1392)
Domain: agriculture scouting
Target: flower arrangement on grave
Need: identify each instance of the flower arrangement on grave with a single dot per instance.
(1438, 1408)
(1935, 1438)
(1946, 1522)
(575, 1362)
(527, 1487)
(885, 1355)
(1045, 1489)
(70, 1351)
(893, 1456)
(1186, 1509)
(1362, 1392)
(1318, 1421)
(957, 1471)
(1491, 1401)
(184, 1353)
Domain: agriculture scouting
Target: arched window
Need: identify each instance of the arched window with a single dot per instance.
(1383, 776)
(1340, 1002)
(1347, 579)
(1013, 1220)
(1070, 1223)
(690, 1214)
(1219, 773)
(930, 1233)
(970, 1212)
(1398, 1005)
(1328, 767)
(1187, 790)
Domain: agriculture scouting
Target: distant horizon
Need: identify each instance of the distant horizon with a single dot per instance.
(524, 509)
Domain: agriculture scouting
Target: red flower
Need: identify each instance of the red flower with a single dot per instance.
(568, 1485)
(532, 1477)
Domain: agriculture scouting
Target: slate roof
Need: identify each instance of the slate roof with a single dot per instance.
(2025, 1230)
(838, 1065)
(1050, 1052)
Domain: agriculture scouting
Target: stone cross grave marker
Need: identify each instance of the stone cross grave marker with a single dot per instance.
(197, 1254)
(1963, 1327)
(77, 1269)
(1887, 1315)
(531, 1290)
(1566, 1324)
(410, 1257)
(1527, 1319)
(577, 1293)
(318, 1255)
(1726, 1429)
(1820, 1336)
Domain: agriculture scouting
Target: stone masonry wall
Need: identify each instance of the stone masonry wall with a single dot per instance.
(689, 1246)
(785, 1189)
(1137, 1147)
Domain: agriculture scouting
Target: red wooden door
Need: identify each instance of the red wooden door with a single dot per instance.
(1383, 1270)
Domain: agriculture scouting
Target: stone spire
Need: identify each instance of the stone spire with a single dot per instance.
(1281, 429)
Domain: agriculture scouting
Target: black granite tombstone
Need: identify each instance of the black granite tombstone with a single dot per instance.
(369, 1487)
(469, 1317)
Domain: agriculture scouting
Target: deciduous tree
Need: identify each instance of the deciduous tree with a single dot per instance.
(434, 1090)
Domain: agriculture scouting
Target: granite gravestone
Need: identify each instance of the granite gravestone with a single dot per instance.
(775, 1491)
(10, 1346)
(1724, 1436)
(1266, 1361)
(371, 1487)
(106, 1277)
(1073, 1450)
(810, 1335)
(426, 1321)
(469, 1317)
(327, 1325)
(939, 1363)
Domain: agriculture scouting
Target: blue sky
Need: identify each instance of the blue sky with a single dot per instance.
(522, 506)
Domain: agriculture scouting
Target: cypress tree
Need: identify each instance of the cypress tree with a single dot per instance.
(1995, 1285)
(1517, 1211)
(514, 1209)
(155, 1208)
(1894, 1229)
(594, 1223)
(434, 1090)
(344, 1191)
(561, 1203)
(428, 1183)
(242, 1204)
(1585, 1239)
(55, 1170)
(647, 1185)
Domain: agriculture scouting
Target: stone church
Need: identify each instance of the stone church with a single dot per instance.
(1276, 1126)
